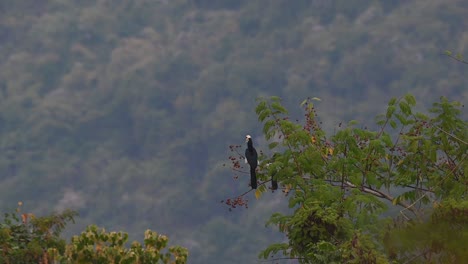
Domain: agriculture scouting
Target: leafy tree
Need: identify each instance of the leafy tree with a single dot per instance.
(25, 238)
(344, 187)
(95, 245)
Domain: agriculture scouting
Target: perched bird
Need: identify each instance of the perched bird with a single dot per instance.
(251, 158)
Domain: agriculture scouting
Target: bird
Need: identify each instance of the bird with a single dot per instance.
(251, 158)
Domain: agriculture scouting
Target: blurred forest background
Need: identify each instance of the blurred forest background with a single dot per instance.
(124, 110)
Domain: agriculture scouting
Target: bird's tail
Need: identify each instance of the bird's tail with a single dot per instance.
(253, 178)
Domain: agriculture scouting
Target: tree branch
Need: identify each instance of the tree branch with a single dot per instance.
(450, 135)
(456, 57)
(377, 193)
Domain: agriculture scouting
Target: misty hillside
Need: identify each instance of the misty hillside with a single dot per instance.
(124, 110)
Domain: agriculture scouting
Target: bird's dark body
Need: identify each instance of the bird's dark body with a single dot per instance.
(252, 159)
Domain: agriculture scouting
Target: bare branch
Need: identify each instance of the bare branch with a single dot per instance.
(455, 57)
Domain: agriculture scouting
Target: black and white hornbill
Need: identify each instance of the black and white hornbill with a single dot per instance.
(251, 158)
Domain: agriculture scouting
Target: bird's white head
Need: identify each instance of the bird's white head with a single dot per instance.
(247, 138)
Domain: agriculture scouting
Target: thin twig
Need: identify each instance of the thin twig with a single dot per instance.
(451, 135)
(456, 58)
(262, 183)
(418, 188)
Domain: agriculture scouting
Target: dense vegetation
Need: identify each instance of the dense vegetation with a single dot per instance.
(343, 186)
(27, 239)
(123, 110)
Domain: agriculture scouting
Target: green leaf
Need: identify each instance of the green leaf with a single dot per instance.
(421, 116)
(390, 110)
(353, 122)
(380, 122)
(267, 126)
(273, 145)
(410, 99)
(260, 107)
(275, 98)
(294, 201)
(264, 114)
(273, 249)
(433, 155)
(387, 140)
(405, 108)
(413, 146)
(402, 119)
(278, 107)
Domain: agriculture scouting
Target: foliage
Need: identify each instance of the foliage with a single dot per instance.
(439, 239)
(25, 238)
(340, 186)
(97, 246)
